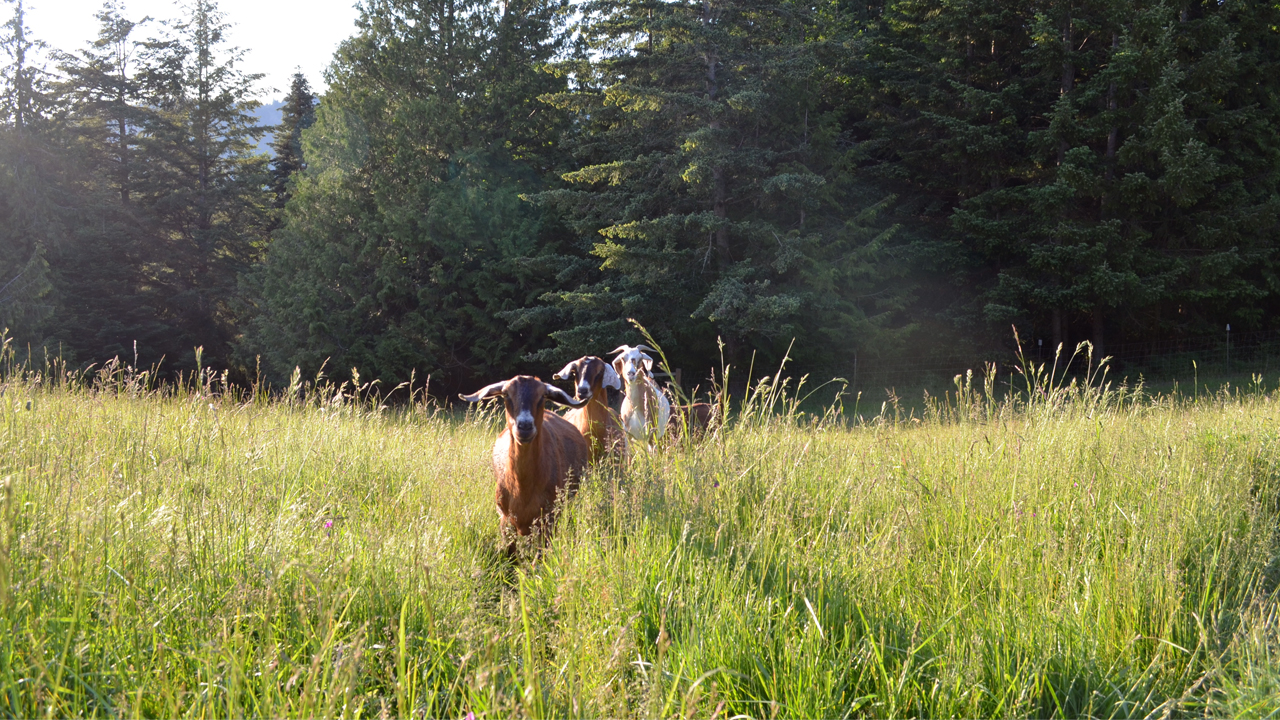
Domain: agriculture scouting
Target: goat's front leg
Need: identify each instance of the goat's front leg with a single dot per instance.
(509, 533)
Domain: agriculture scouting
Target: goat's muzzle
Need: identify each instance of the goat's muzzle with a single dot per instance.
(526, 431)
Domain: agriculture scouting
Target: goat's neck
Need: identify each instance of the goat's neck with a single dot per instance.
(526, 459)
(596, 409)
(640, 392)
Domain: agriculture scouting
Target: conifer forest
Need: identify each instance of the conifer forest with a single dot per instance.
(486, 188)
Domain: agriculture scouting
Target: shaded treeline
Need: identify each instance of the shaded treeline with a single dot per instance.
(487, 188)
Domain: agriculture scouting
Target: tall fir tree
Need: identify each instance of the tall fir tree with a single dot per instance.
(204, 184)
(1100, 169)
(24, 99)
(102, 271)
(107, 99)
(405, 236)
(32, 187)
(1080, 150)
(712, 193)
(297, 115)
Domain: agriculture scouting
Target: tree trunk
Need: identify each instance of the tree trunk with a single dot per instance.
(1058, 334)
(719, 186)
(124, 160)
(21, 88)
(201, 121)
(1113, 136)
(1068, 75)
(649, 30)
(719, 208)
(1114, 133)
(1099, 348)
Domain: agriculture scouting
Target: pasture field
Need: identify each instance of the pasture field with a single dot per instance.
(1072, 552)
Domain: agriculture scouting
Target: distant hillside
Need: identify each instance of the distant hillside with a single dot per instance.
(268, 114)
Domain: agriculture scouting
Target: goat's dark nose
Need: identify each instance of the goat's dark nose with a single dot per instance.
(524, 430)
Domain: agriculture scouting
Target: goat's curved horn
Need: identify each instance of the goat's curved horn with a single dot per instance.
(620, 348)
(487, 391)
(565, 372)
(557, 395)
(645, 347)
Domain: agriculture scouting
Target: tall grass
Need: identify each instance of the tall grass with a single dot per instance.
(1071, 550)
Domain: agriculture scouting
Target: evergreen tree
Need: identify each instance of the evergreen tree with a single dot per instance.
(1079, 149)
(297, 115)
(405, 235)
(31, 191)
(712, 191)
(476, 191)
(1196, 180)
(203, 184)
(25, 98)
(108, 101)
(103, 269)
(30, 224)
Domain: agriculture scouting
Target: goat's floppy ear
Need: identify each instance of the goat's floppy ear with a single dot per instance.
(648, 361)
(620, 348)
(565, 372)
(557, 395)
(617, 368)
(612, 378)
(487, 391)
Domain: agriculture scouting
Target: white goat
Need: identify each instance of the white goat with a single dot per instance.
(645, 408)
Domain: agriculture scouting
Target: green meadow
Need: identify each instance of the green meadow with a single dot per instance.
(1069, 550)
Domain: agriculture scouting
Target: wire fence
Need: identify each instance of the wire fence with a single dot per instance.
(1224, 353)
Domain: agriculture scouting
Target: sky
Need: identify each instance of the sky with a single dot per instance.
(315, 27)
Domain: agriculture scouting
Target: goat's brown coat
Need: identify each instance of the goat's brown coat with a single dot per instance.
(696, 416)
(597, 423)
(531, 476)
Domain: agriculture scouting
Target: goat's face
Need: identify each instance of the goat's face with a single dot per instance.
(524, 397)
(631, 363)
(588, 373)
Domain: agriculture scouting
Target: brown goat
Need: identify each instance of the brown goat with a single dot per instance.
(695, 416)
(538, 456)
(597, 423)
